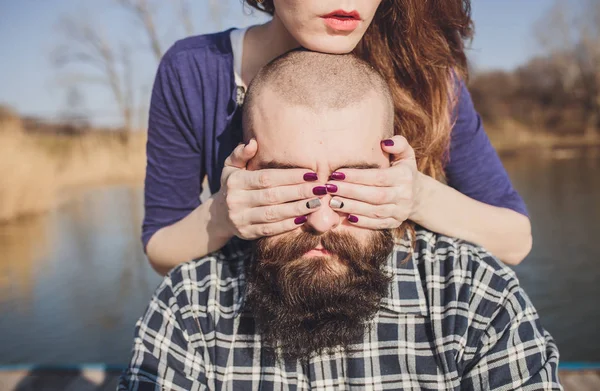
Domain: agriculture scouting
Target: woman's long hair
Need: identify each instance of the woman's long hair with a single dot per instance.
(418, 46)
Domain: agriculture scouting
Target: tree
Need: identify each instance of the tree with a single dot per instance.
(570, 35)
(87, 45)
(110, 63)
(144, 11)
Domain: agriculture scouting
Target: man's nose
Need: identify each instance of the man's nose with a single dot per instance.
(324, 219)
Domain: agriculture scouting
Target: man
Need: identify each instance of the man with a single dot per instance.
(331, 305)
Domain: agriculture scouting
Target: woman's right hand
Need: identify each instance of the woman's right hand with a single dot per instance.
(265, 202)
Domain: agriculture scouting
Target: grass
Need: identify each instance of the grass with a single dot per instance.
(37, 169)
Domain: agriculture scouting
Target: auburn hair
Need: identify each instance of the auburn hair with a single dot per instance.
(418, 47)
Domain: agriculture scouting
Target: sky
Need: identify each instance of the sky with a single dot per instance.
(30, 32)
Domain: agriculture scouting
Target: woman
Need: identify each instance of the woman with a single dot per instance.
(194, 130)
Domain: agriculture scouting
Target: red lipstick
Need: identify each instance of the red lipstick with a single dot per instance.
(341, 20)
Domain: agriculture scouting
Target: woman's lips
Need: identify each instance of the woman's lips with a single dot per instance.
(341, 20)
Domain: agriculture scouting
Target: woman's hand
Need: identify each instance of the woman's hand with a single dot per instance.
(379, 198)
(265, 202)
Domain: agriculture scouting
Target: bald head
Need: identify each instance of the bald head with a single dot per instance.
(318, 82)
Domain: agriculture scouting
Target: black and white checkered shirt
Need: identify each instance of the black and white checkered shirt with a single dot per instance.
(454, 319)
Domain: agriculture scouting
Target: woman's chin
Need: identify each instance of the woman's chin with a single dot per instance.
(336, 44)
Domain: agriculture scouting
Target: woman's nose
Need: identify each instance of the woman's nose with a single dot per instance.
(324, 219)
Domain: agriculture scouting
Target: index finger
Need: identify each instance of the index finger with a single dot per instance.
(382, 177)
(273, 177)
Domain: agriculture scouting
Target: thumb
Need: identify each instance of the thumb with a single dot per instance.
(399, 149)
(242, 154)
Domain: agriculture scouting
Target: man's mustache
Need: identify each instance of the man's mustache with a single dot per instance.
(289, 248)
(340, 245)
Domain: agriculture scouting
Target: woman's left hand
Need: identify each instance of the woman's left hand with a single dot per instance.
(380, 198)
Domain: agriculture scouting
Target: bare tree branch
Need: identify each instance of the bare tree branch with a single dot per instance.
(185, 15)
(141, 8)
(85, 44)
(573, 43)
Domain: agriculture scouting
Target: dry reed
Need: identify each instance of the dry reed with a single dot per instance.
(37, 170)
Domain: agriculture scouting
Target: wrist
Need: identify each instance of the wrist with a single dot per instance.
(219, 225)
(423, 189)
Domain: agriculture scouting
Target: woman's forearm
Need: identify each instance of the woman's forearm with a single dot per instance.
(503, 232)
(198, 234)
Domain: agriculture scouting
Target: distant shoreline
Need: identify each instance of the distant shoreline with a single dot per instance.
(508, 143)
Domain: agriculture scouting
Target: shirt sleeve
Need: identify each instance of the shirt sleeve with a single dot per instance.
(513, 351)
(174, 169)
(163, 357)
(474, 167)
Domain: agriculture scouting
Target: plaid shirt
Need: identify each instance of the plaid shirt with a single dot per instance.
(454, 319)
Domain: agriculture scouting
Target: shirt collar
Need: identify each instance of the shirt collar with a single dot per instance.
(405, 294)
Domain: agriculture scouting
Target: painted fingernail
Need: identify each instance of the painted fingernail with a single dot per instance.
(311, 177)
(336, 204)
(388, 143)
(312, 204)
(352, 219)
(337, 176)
(319, 190)
(300, 220)
(331, 188)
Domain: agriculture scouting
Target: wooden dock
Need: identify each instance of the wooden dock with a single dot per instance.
(104, 380)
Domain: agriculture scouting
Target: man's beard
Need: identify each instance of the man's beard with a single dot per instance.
(306, 305)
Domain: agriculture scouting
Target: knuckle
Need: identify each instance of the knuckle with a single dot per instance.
(264, 179)
(270, 214)
(380, 178)
(300, 208)
(383, 224)
(236, 220)
(266, 230)
(306, 191)
(231, 200)
(233, 180)
(382, 212)
(243, 233)
(380, 196)
(271, 196)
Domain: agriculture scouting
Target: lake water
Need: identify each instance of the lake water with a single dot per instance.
(73, 283)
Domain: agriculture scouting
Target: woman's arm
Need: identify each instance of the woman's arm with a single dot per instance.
(174, 170)
(480, 204)
(199, 233)
(503, 232)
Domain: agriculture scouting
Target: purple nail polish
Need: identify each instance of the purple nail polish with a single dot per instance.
(331, 188)
(319, 190)
(310, 177)
(352, 219)
(337, 176)
(388, 143)
(300, 220)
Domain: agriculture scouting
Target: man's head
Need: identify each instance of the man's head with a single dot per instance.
(320, 112)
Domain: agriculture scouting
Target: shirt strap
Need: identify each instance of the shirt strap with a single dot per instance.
(237, 46)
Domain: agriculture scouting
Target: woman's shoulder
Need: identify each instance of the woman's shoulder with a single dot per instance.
(200, 48)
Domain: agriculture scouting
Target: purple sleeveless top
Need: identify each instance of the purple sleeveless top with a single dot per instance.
(194, 125)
